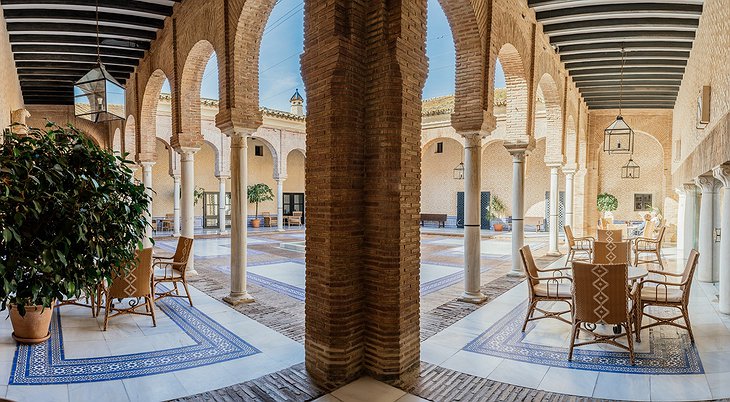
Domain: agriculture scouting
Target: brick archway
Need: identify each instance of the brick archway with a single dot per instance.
(517, 93)
(148, 116)
(553, 117)
(190, 83)
(129, 145)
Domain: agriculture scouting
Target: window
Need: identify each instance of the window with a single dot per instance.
(258, 150)
(439, 147)
(642, 202)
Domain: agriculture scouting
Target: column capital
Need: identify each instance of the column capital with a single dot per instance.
(554, 165)
(147, 164)
(689, 187)
(186, 153)
(279, 178)
(722, 173)
(569, 169)
(472, 138)
(176, 176)
(707, 183)
(223, 177)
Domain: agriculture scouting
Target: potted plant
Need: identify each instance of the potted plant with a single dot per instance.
(259, 193)
(70, 217)
(495, 213)
(606, 203)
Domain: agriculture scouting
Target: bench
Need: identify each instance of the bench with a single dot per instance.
(535, 221)
(438, 218)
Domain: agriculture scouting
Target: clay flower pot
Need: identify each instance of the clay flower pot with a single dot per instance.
(255, 223)
(34, 326)
(498, 227)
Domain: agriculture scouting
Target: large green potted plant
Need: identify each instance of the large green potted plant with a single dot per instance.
(259, 193)
(70, 217)
(496, 212)
(606, 203)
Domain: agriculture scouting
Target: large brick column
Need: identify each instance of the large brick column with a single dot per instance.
(364, 67)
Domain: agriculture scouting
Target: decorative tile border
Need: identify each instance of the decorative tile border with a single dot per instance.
(46, 363)
(670, 353)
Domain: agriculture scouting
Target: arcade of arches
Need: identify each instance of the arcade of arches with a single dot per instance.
(425, 304)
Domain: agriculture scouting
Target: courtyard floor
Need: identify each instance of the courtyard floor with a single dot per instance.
(255, 351)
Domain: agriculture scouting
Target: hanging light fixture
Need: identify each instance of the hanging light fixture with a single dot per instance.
(619, 137)
(630, 170)
(459, 171)
(98, 96)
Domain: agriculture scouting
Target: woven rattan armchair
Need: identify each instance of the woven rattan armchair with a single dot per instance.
(611, 252)
(601, 296)
(666, 293)
(270, 220)
(135, 285)
(173, 269)
(295, 218)
(554, 286)
(651, 246)
(607, 235)
(583, 245)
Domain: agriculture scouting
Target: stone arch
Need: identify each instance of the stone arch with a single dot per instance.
(517, 93)
(277, 169)
(217, 152)
(170, 155)
(553, 118)
(295, 171)
(438, 186)
(470, 91)
(190, 84)
(148, 115)
(301, 150)
(117, 140)
(246, 51)
(130, 138)
(441, 138)
(497, 171)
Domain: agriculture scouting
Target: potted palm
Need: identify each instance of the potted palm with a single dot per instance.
(606, 203)
(259, 193)
(496, 212)
(70, 217)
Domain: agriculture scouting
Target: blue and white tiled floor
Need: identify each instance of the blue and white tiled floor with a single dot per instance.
(488, 343)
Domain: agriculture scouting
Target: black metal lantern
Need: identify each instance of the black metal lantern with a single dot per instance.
(618, 138)
(98, 96)
(630, 170)
(459, 171)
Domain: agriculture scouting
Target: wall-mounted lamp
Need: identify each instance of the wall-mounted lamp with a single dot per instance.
(717, 235)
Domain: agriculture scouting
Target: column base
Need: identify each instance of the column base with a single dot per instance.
(281, 230)
(554, 254)
(474, 298)
(223, 233)
(191, 272)
(176, 235)
(235, 300)
(516, 274)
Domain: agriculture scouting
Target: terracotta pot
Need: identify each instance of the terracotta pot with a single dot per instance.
(255, 223)
(34, 326)
(498, 227)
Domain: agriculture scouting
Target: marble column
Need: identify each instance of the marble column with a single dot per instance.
(188, 203)
(472, 219)
(222, 205)
(722, 173)
(708, 185)
(569, 195)
(176, 205)
(147, 181)
(681, 224)
(518, 210)
(239, 218)
(554, 212)
(690, 224)
(280, 203)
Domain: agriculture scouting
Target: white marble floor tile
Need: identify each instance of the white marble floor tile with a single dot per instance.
(367, 389)
(568, 381)
(716, 362)
(110, 391)
(411, 398)
(472, 363)
(630, 387)
(679, 388)
(154, 388)
(85, 349)
(436, 354)
(519, 373)
(719, 385)
(33, 393)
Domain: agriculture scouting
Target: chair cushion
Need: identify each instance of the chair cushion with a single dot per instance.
(169, 273)
(661, 293)
(546, 289)
(642, 246)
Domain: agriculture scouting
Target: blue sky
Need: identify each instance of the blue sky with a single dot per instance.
(283, 43)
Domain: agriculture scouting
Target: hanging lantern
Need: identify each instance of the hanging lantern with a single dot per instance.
(618, 138)
(459, 171)
(98, 96)
(630, 170)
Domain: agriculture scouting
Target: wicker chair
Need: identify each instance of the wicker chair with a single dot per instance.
(652, 246)
(668, 294)
(578, 245)
(545, 289)
(269, 220)
(172, 269)
(608, 235)
(601, 296)
(295, 218)
(136, 284)
(611, 252)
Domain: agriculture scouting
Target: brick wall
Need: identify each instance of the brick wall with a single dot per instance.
(11, 98)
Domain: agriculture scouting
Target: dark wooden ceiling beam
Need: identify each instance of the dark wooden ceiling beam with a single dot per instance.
(627, 64)
(627, 46)
(566, 14)
(622, 36)
(76, 58)
(608, 85)
(78, 50)
(616, 55)
(611, 24)
(78, 40)
(617, 76)
(121, 5)
(628, 70)
(57, 28)
(70, 16)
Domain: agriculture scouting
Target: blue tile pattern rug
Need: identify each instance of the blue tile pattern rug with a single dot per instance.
(670, 351)
(46, 363)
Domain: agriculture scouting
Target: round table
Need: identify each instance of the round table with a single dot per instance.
(636, 273)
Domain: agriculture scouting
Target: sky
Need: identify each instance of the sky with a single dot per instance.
(283, 43)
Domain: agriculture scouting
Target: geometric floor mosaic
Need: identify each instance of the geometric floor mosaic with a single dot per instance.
(46, 363)
(664, 351)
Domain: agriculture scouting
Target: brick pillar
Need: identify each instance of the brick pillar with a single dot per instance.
(364, 67)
